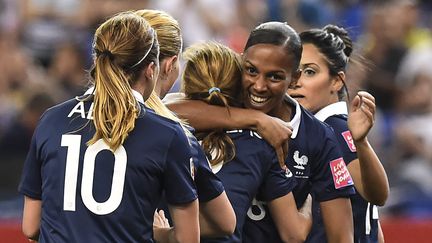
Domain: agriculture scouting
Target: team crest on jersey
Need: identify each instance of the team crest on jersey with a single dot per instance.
(192, 168)
(301, 161)
(349, 140)
(341, 175)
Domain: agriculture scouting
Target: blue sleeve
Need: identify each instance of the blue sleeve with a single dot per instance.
(178, 177)
(209, 186)
(331, 178)
(31, 178)
(344, 138)
(277, 182)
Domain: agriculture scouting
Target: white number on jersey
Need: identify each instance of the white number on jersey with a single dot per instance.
(260, 206)
(73, 142)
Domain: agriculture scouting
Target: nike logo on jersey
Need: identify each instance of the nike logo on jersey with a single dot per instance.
(300, 161)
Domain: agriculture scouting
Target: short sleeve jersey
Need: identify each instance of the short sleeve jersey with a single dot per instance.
(90, 193)
(208, 185)
(312, 152)
(254, 171)
(365, 215)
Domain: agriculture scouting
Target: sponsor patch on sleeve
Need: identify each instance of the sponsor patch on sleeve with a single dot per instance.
(341, 175)
(349, 140)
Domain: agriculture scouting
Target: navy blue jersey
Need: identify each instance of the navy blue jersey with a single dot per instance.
(316, 162)
(208, 185)
(254, 171)
(365, 215)
(91, 194)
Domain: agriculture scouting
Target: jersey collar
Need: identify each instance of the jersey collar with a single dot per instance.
(338, 108)
(295, 121)
(137, 95)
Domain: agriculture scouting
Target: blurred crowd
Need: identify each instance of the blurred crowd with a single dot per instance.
(45, 48)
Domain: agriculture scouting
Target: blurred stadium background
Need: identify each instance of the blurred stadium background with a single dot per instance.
(45, 48)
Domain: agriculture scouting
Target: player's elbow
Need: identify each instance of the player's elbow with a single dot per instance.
(225, 227)
(379, 199)
(299, 234)
(228, 227)
(293, 237)
(31, 233)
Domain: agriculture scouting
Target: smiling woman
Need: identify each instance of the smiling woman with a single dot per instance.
(264, 80)
(270, 62)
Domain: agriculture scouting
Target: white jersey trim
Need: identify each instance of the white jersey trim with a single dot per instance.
(295, 122)
(137, 95)
(338, 108)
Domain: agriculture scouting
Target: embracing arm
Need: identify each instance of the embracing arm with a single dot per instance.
(338, 220)
(367, 171)
(292, 225)
(31, 218)
(185, 219)
(205, 117)
(217, 217)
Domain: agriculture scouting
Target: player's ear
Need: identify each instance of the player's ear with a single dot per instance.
(338, 82)
(152, 71)
(168, 64)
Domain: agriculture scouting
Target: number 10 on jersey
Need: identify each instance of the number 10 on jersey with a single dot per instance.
(73, 143)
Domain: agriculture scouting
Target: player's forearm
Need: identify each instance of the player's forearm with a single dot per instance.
(217, 217)
(209, 228)
(163, 234)
(31, 218)
(305, 217)
(204, 117)
(167, 235)
(373, 176)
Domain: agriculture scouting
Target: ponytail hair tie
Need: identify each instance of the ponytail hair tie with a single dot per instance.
(213, 89)
(106, 53)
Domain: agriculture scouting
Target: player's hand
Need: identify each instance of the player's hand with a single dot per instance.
(362, 115)
(277, 133)
(160, 221)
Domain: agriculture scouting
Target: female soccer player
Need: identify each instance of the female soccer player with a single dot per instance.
(245, 163)
(322, 90)
(98, 163)
(213, 201)
(270, 61)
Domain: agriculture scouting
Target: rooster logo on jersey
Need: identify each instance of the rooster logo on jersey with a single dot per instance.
(301, 161)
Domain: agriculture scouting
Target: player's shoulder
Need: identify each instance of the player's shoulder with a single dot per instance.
(316, 135)
(312, 124)
(337, 122)
(245, 136)
(245, 139)
(159, 123)
(59, 109)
